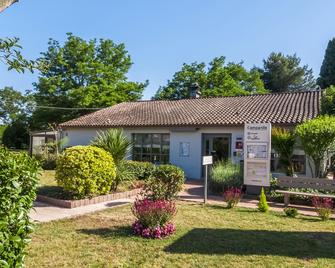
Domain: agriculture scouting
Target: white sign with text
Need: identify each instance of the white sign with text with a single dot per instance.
(257, 154)
(207, 160)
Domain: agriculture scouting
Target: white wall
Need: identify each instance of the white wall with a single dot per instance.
(191, 164)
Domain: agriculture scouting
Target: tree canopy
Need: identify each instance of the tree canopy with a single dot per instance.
(13, 105)
(219, 79)
(282, 73)
(327, 71)
(317, 138)
(10, 55)
(82, 74)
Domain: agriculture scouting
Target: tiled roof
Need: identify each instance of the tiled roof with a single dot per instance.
(281, 108)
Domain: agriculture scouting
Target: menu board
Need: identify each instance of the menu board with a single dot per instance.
(258, 151)
(257, 154)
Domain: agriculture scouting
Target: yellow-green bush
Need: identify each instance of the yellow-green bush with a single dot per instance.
(85, 171)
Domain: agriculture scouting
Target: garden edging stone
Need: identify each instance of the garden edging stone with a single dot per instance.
(87, 201)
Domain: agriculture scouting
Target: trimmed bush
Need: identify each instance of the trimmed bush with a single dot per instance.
(291, 212)
(18, 182)
(165, 183)
(225, 175)
(263, 204)
(85, 171)
(141, 170)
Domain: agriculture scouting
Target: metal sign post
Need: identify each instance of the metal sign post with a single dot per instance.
(206, 160)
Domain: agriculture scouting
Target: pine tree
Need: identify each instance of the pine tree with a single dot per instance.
(263, 204)
(327, 72)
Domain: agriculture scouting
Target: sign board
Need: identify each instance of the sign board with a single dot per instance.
(257, 154)
(207, 160)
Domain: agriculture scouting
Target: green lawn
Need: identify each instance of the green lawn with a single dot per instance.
(208, 236)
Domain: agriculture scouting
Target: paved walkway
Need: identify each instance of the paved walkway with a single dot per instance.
(193, 191)
(44, 212)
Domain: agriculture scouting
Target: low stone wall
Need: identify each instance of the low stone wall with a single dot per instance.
(87, 201)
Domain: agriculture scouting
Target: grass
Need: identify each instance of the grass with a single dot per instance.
(48, 186)
(208, 236)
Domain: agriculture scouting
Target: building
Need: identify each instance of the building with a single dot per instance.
(180, 132)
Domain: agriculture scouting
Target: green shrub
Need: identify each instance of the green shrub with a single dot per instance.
(291, 212)
(85, 171)
(283, 141)
(165, 183)
(47, 162)
(141, 170)
(225, 175)
(18, 182)
(263, 204)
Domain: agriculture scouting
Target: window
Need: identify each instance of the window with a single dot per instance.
(299, 163)
(153, 148)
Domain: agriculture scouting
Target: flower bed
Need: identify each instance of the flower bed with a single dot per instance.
(154, 218)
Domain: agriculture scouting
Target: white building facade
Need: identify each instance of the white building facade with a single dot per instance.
(180, 132)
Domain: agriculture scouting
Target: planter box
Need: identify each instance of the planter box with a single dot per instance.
(87, 201)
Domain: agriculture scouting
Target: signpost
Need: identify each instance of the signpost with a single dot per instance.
(257, 155)
(206, 160)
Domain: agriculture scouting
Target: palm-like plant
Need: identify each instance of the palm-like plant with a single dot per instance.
(115, 142)
(283, 142)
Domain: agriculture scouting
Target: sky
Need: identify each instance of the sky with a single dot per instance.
(162, 35)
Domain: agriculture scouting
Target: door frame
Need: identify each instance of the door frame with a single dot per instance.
(203, 136)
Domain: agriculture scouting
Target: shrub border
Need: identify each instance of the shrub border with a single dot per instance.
(87, 201)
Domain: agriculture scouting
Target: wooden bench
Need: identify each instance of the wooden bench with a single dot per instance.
(300, 183)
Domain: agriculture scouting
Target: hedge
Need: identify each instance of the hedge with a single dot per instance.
(18, 182)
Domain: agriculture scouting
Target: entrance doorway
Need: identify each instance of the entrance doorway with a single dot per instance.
(217, 145)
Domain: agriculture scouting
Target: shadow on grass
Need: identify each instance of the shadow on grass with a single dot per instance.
(309, 245)
(54, 192)
(118, 231)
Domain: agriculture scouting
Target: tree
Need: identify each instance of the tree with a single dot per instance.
(327, 71)
(317, 138)
(16, 135)
(282, 73)
(83, 74)
(283, 142)
(13, 105)
(219, 79)
(328, 101)
(10, 55)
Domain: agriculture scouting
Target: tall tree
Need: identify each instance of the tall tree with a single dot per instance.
(13, 105)
(219, 79)
(84, 74)
(282, 73)
(327, 71)
(10, 55)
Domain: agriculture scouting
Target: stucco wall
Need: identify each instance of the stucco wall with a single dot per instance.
(191, 164)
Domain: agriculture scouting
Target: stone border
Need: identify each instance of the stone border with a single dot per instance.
(87, 201)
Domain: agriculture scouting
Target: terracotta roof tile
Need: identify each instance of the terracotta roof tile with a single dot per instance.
(283, 108)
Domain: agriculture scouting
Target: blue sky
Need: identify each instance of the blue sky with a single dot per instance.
(161, 35)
